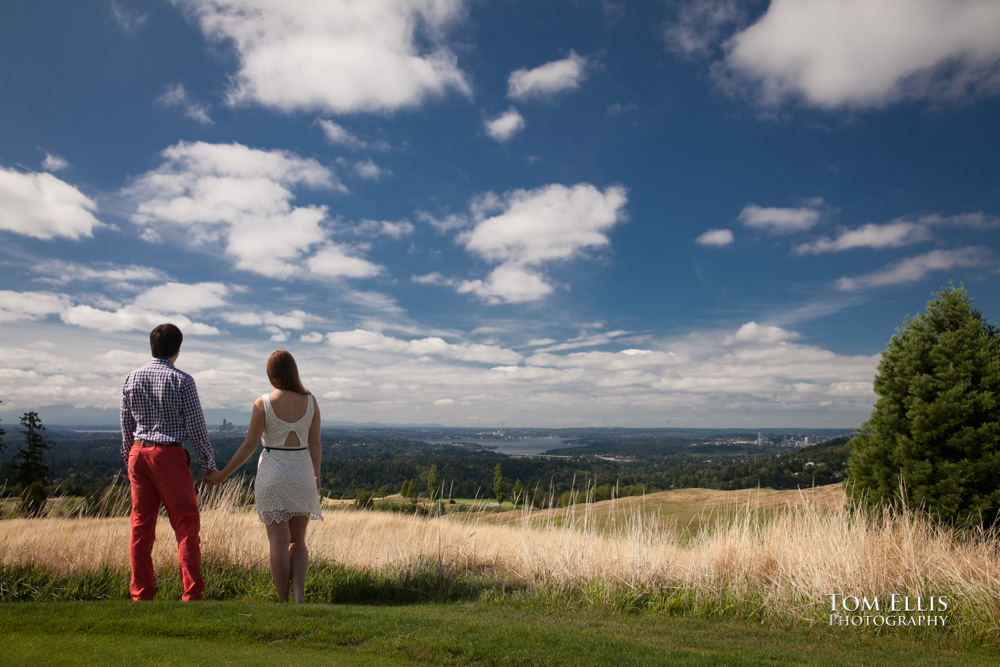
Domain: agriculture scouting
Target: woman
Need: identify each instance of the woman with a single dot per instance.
(286, 489)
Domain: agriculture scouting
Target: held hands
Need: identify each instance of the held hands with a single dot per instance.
(212, 477)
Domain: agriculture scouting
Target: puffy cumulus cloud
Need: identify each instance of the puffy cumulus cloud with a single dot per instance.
(779, 220)
(505, 126)
(44, 207)
(837, 54)
(335, 261)
(508, 283)
(913, 269)
(131, 318)
(240, 198)
(183, 298)
(337, 56)
(751, 332)
(527, 228)
(54, 162)
(24, 306)
(374, 341)
(176, 96)
(548, 80)
(716, 237)
(157, 305)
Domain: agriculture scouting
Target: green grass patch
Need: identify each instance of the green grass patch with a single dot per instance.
(489, 633)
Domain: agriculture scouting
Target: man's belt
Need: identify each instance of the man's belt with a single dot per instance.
(147, 443)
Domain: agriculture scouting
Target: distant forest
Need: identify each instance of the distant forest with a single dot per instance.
(380, 464)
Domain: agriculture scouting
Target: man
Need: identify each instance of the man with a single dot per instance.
(159, 411)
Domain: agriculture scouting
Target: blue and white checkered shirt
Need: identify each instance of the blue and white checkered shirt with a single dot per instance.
(160, 404)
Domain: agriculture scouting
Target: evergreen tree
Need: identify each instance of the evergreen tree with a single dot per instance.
(499, 485)
(517, 493)
(29, 461)
(935, 429)
(433, 482)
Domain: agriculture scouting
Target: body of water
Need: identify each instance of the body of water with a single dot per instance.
(515, 447)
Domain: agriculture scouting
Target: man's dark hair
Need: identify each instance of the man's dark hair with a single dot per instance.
(165, 341)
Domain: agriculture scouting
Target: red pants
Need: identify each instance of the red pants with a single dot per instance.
(162, 475)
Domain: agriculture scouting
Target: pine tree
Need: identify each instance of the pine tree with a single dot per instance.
(933, 438)
(433, 483)
(29, 461)
(517, 493)
(499, 485)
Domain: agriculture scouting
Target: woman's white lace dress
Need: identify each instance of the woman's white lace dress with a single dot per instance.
(286, 484)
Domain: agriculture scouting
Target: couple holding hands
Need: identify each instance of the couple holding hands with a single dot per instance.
(160, 410)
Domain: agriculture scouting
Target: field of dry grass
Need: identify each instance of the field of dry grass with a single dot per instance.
(784, 551)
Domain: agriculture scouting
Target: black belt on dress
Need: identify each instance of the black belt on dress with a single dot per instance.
(285, 449)
(147, 443)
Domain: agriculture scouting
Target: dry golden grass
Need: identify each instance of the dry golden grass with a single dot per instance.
(785, 550)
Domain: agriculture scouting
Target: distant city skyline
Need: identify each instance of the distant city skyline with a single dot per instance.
(492, 214)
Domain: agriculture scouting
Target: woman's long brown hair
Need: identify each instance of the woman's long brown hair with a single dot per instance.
(284, 373)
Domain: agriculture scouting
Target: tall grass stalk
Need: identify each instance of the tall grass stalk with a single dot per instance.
(753, 561)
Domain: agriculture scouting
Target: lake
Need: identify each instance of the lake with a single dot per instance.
(515, 447)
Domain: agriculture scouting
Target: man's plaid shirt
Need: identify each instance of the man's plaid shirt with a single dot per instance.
(160, 404)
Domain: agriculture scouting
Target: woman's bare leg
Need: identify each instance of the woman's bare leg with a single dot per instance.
(298, 557)
(278, 537)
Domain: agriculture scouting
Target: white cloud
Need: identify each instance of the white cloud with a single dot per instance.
(433, 278)
(751, 332)
(914, 268)
(177, 97)
(239, 199)
(54, 162)
(505, 126)
(552, 222)
(527, 228)
(700, 26)
(292, 320)
(779, 220)
(393, 229)
(338, 56)
(368, 169)
(333, 261)
(508, 283)
(892, 235)
(861, 54)
(183, 298)
(446, 224)
(338, 134)
(26, 306)
(128, 19)
(312, 337)
(373, 341)
(716, 237)
(42, 206)
(131, 318)
(549, 79)
(128, 277)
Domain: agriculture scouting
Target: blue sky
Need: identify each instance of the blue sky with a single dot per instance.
(492, 212)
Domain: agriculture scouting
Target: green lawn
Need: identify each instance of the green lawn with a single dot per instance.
(490, 633)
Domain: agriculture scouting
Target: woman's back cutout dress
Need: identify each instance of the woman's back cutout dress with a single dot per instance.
(286, 484)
